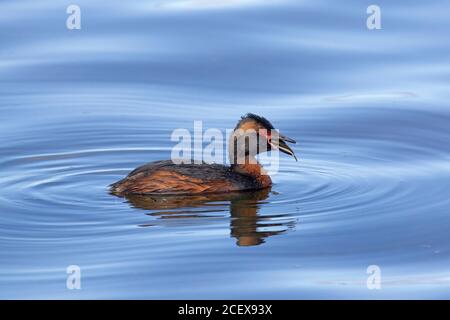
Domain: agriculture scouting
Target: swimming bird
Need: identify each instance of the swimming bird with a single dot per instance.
(244, 174)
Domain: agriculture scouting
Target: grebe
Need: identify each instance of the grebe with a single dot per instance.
(244, 174)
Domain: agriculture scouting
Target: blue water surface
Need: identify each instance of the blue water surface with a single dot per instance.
(369, 108)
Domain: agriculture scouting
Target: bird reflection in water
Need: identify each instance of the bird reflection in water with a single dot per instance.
(246, 225)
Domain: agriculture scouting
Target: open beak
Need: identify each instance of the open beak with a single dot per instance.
(281, 145)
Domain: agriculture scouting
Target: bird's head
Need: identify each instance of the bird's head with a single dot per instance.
(257, 129)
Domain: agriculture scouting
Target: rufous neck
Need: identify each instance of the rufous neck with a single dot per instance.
(254, 170)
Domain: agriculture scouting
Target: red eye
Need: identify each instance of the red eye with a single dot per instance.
(266, 135)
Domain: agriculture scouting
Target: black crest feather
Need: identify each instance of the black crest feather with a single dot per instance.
(251, 116)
